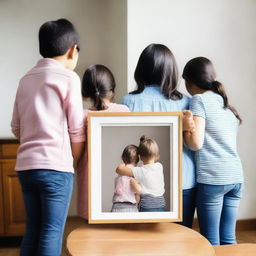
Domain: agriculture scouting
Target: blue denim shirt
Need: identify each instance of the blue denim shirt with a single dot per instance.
(152, 100)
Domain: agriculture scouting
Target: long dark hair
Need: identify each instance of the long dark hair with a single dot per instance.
(200, 72)
(157, 66)
(98, 83)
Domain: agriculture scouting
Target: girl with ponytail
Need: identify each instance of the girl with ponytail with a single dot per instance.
(98, 85)
(218, 166)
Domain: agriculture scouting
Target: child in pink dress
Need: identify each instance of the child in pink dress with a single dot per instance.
(127, 190)
(98, 85)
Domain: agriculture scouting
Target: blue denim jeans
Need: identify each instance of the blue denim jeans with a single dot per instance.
(47, 195)
(189, 206)
(217, 207)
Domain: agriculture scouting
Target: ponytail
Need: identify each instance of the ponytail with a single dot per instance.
(218, 87)
(143, 138)
(98, 102)
(98, 83)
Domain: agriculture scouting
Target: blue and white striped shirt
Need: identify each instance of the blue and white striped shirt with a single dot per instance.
(217, 162)
(152, 100)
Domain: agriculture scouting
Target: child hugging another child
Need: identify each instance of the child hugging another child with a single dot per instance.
(150, 176)
(98, 85)
(127, 190)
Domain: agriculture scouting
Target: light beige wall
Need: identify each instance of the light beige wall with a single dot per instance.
(222, 30)
(19, 24)
(114, 42)
(102, 28)
(101, 25)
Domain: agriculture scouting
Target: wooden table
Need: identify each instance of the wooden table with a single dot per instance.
(137, 240)
(236, 250)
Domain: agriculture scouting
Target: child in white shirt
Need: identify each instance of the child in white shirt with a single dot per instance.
(150, 176)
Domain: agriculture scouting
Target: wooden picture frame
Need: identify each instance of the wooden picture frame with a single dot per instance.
(108, 134)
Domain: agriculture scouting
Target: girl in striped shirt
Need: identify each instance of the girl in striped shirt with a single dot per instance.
(218, 166)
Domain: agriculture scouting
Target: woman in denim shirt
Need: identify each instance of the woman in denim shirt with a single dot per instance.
(156, 76)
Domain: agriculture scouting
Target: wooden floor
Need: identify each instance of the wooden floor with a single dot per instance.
(10, 247)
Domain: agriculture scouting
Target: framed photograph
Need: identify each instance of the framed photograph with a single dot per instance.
(108, 135)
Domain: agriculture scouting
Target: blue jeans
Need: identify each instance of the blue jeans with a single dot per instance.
(217, 207)
(189, 206)
(47, 195)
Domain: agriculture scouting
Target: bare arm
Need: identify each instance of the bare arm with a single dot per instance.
(195, 139)
(135, 186)
(137, 198)
(122, 169)
(188, 123)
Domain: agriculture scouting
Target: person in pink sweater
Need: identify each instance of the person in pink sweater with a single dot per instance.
(98, 86)
(48, 121)
(127, 189)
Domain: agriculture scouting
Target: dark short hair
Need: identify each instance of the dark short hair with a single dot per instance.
(130, 154)
(56, 37)
(97, 83)
(157, 66)
(148, 148)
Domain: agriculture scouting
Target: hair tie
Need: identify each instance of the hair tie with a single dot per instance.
(97, 92)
